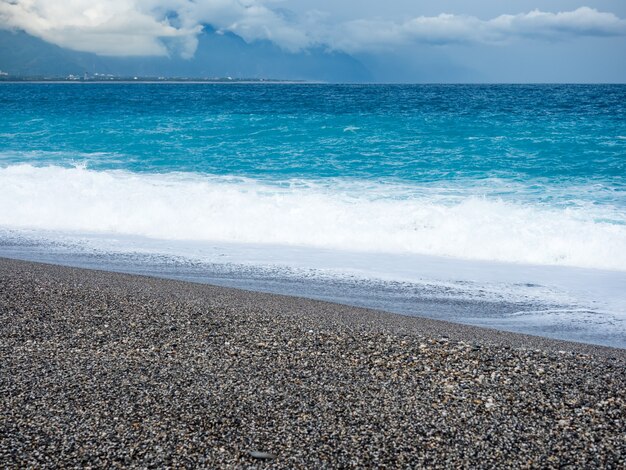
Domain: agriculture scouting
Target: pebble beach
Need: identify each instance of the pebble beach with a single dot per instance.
(108, 370)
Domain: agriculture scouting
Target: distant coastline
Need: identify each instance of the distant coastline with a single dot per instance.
(125, 80)
(277, 81)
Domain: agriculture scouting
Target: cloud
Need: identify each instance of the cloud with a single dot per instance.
(584, 21)
(443, 29)
(144, 27)
(115, 27)
(162, 27)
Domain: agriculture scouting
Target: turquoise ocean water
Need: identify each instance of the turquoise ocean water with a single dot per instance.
(496, 205)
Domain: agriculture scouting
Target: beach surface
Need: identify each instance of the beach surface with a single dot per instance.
(101, 369)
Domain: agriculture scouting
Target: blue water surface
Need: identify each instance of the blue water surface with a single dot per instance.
(407, 133)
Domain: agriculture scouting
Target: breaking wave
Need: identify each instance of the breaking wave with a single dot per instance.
(342, 215)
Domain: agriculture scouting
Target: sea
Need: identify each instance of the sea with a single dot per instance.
(502, 206)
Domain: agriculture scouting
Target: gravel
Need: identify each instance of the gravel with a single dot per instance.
(101, 369)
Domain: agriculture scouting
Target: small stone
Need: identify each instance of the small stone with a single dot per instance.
(262, 455)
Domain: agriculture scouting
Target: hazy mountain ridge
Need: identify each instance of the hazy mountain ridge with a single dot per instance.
(218, 55)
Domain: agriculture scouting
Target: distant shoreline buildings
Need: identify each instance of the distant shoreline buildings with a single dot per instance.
(108, 78)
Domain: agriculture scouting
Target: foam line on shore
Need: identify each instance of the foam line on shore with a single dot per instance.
(285, 306)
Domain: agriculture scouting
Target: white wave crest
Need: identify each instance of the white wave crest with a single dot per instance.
(353, 217)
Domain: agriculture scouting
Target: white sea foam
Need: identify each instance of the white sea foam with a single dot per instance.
(368, 217)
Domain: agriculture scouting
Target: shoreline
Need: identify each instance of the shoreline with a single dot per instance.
(165, 82)
(110, 369)
(398, 322)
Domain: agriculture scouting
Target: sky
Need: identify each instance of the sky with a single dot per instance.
(397, 40)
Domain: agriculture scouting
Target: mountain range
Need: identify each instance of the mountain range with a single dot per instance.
(217, 55)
